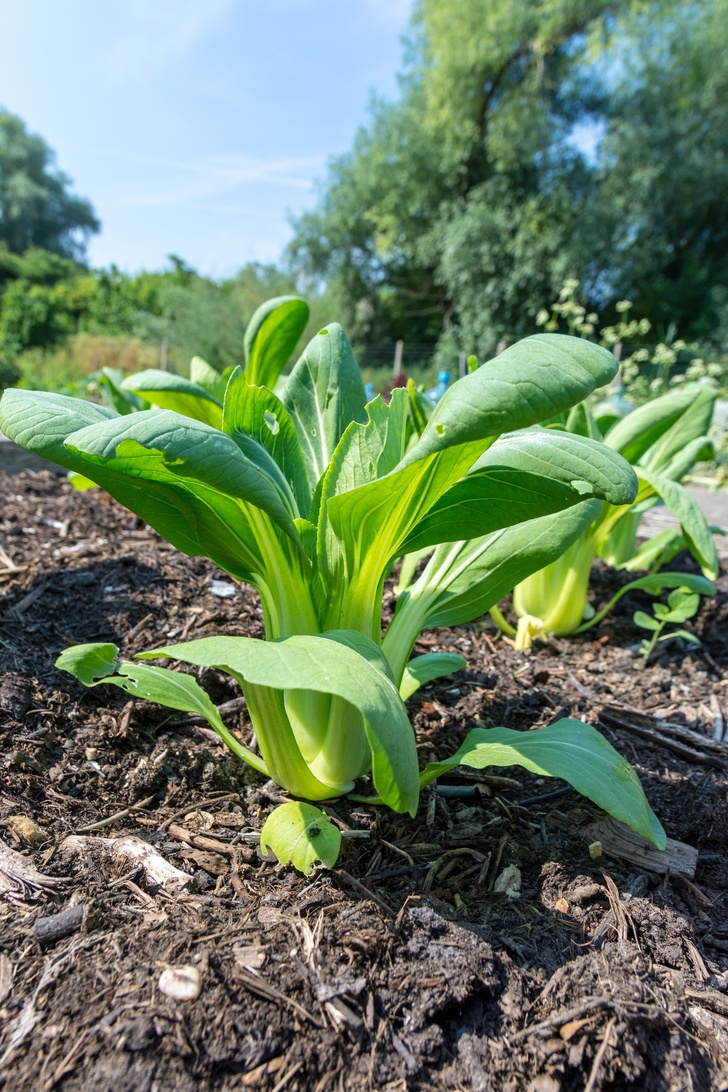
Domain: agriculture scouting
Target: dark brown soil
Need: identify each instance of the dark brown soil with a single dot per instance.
(402, 968)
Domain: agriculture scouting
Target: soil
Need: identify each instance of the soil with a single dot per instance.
(402, 968)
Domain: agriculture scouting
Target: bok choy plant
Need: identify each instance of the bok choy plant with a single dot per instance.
(662, 440)
(311, 496)
(270, 338)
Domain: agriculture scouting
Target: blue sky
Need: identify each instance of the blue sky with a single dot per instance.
(197, 126)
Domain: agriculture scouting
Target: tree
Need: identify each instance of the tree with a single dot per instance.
(463, 206)
(428, 219)
(663, 170)
(37, 208)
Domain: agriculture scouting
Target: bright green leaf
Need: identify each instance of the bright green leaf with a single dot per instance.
(173, 392)
(271, 336)
(686, 636)
(100, 663)
(568, 749)
(301, 835)
(424, 669)
(260, 425)
(207, 377)
(694, 524)
(324, 664)
(527, 383)
(324, 393)
(645, 621)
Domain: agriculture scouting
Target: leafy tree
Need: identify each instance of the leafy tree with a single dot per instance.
(37, 208)
(464, 205)
(663, 172)
(40, 314)
(429, 218)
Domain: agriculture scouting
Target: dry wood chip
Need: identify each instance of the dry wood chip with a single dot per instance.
(620, 841)
(710, 999)
(57, 926)
(250, 956)
(130, 851)
(569, 1030)
(256, 1076)
(199, 841)
(17, 873)
(6, 977)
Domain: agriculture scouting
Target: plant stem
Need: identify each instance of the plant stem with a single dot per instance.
(500, 621)
(651, 645)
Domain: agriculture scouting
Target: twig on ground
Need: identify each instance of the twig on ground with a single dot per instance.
(198, 807)
(340, 873)
(591, 1083)
(119, 815)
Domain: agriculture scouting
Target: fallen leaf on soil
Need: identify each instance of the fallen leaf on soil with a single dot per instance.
(208, 862)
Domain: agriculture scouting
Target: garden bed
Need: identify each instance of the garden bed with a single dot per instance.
(401, 969)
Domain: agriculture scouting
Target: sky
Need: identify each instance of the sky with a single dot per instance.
(197, 127)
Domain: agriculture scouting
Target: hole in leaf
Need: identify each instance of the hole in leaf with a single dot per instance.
(322, 332)
(440, 429)
(272, 422)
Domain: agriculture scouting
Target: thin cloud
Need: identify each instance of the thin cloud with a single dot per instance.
(214, 175)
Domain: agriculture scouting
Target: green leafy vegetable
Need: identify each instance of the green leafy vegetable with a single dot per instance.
(312, 497)
(568, 749)
(270, 338)
(662, 439)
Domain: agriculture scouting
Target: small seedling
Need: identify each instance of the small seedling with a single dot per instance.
(681, 605)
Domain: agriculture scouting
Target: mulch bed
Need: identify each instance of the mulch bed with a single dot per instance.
(402, 968)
